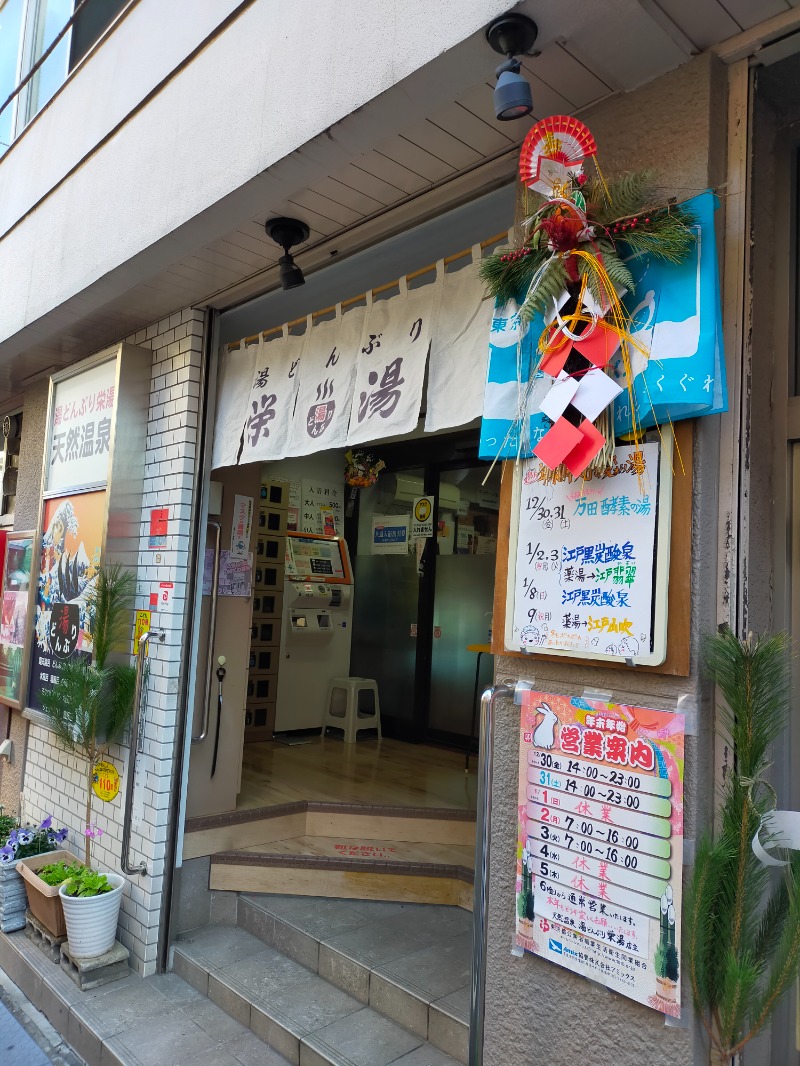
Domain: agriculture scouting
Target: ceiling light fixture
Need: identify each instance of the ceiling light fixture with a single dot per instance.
(287, 232)
(512, 35)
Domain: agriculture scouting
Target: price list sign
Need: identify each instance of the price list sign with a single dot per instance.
(600, 847)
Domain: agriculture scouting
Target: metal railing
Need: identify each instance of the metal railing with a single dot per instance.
(127, 866)
(503, 690)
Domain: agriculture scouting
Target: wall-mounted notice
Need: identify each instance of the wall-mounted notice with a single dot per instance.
(422, 523)
(600, 847)
(81, 416)
(389, 534)
(242, 525)
(592, 559)
(321, 508)
(235, 575)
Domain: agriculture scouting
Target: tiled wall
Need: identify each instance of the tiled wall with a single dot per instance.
(54, 781)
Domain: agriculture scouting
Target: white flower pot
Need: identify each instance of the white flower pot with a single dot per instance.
(92, 920)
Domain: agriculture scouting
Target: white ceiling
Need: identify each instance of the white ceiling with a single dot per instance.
(590, 49)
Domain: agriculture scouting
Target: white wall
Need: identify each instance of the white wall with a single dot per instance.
(278, 76)
(54, 778)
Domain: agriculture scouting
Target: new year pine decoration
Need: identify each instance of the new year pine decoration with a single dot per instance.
(743, 921)
(567, 275)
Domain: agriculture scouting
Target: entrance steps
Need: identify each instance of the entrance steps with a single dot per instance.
(333, 982)
(418, 855)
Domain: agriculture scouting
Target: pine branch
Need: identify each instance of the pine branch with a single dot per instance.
(509, 279)
(626, 195)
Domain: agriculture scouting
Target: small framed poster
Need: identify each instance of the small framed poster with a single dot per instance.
(15, 617)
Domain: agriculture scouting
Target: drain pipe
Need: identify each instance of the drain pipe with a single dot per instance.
(503, 690)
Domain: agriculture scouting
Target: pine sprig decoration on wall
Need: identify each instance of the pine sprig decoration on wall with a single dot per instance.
(743, 920)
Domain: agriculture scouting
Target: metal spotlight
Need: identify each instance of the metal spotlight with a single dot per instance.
(287, 232)
(512, 35)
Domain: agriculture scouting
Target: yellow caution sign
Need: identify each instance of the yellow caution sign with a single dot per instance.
(105, 782)
(142, 626)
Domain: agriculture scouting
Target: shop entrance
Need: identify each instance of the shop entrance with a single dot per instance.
(413, 617)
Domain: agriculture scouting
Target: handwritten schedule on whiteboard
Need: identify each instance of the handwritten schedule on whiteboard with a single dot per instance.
(600, 845)
(587, 559)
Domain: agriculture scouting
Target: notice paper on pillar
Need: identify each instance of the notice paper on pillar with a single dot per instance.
(242, 526)
(592, 559)
(389, 534)
(600, 845)
(159, 525)
(422, 521)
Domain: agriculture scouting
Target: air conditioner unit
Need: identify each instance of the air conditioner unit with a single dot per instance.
(409, 488)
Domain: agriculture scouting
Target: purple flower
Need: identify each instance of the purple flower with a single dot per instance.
(47, 822)
(12, 837)
(61, 835)
(24, 836)
(6, 855)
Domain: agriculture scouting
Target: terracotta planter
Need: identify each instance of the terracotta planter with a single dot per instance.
(92, 920)
(12, 898)
(43, 900)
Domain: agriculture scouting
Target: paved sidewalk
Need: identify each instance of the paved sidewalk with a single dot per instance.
(16, 1047)
(26, 1036)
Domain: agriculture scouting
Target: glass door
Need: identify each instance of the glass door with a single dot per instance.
(463, 597)
(387, 594)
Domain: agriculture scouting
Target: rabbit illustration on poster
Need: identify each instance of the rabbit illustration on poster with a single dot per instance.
(545, 733)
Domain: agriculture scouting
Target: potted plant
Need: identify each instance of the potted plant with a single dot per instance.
(90, 708)
(743, 920)
(42, 874)
(91, 903)
(19, 842)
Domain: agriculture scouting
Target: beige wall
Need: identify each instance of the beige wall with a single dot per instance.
(676, 126)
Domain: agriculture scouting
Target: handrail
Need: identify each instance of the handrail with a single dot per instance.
(211, 626)
(482, 857)
(127, 868)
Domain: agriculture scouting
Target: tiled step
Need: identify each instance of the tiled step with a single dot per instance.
(342, 876)
(309, 1020)
(340, 822)
(410, 962)
(152, 1021)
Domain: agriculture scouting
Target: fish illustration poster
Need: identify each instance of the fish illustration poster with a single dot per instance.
(600, 845)
(68, 568)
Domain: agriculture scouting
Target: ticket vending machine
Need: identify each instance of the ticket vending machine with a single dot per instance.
(316, 630)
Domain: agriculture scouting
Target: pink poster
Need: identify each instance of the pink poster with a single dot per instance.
(600, 846)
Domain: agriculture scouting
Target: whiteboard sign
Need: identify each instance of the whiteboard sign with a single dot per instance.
(81, 422)
(590, 559)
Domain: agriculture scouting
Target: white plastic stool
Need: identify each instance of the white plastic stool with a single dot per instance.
(345, 708)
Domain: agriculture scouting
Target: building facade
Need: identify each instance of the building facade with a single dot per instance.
(132, 202)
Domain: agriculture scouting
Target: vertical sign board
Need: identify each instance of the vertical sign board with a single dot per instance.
(600, 846)
(80, 436)
(592, 559)
(321, 507)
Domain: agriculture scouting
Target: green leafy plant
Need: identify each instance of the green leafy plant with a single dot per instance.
(91, 704)
(56, 873)
(87, 882)
(743, 920)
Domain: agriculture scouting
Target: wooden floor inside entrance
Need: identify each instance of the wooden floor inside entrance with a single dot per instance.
(372, 772)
